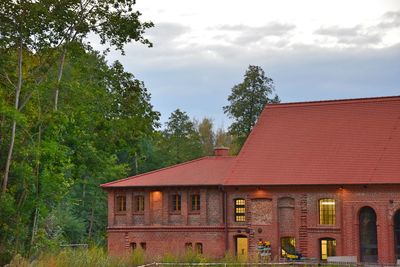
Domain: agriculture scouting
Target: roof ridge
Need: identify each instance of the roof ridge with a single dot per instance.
(334, 101)
(165, 168)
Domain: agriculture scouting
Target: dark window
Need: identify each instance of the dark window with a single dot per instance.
(240, 210)
(397, 234)
(327, 211)
(121, 202)
(143, 245)
(133, 245)
(199, 248)
(368, 235)
(139, 203)
(176, 202)
(188, 246)
(195, 202)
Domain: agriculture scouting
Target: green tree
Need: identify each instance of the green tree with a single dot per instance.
(182, 141)
(207, 136)
(61, 157)
(115, 22)
(223, 138)
(247, 100)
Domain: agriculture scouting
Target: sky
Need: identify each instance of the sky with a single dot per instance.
(312, 49)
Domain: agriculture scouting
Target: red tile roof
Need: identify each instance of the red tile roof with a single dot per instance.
(203, 171)
(355, 141)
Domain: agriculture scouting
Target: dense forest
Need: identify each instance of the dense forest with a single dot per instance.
(70, 120)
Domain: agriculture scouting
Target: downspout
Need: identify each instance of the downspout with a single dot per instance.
(225, 212)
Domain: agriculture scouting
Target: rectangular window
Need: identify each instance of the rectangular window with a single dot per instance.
(195, 202)
(327, 211)
(240, 210)
(176, 202)
(139, 203)
(120, 203)
(143, 245)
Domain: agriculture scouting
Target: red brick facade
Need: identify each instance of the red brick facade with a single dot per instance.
(271, 213)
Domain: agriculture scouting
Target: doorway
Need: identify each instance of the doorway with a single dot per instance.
(327, 248)
(396, 224)
(368, 235)
(242, 245)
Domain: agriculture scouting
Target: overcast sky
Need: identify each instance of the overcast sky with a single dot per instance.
(312, 49)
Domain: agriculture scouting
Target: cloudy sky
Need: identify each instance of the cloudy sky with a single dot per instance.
(312, 49)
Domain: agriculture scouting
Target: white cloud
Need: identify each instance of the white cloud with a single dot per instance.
(313, 49)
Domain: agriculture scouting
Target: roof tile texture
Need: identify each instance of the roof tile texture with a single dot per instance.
(332, 142)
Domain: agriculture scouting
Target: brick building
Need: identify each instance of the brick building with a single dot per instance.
(321, 177)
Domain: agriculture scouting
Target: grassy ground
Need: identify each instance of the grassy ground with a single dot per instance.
(98, 257)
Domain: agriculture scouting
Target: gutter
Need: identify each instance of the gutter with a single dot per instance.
(225, 213)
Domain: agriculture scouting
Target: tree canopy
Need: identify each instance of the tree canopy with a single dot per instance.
(247, 100)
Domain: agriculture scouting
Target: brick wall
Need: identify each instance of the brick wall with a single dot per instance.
(272, 213)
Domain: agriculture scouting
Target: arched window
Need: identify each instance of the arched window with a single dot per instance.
(396, 224)
(368, 235)
(240, 210)
(327, 211)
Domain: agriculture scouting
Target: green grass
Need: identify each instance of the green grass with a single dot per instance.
(97, 256)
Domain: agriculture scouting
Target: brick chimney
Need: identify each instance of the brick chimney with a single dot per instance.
(221, 151)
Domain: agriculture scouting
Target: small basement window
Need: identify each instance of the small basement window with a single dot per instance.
(199, 248)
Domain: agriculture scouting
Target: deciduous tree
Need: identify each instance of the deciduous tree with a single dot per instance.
(247, 100)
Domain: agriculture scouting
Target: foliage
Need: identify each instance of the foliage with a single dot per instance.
(207, 136)
(182, 141)
(61, 158)
(247, 100)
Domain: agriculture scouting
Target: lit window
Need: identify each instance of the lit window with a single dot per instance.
(195, 202)
(328, 248)
(240, 210)
(199, 248)
(327, 211)
(139, 203)
(121, 203)
(176, 202)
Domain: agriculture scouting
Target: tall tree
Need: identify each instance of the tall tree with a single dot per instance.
(182, 141)
(114, 21)
(207, 136)
(21, 28)
(247, 100)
